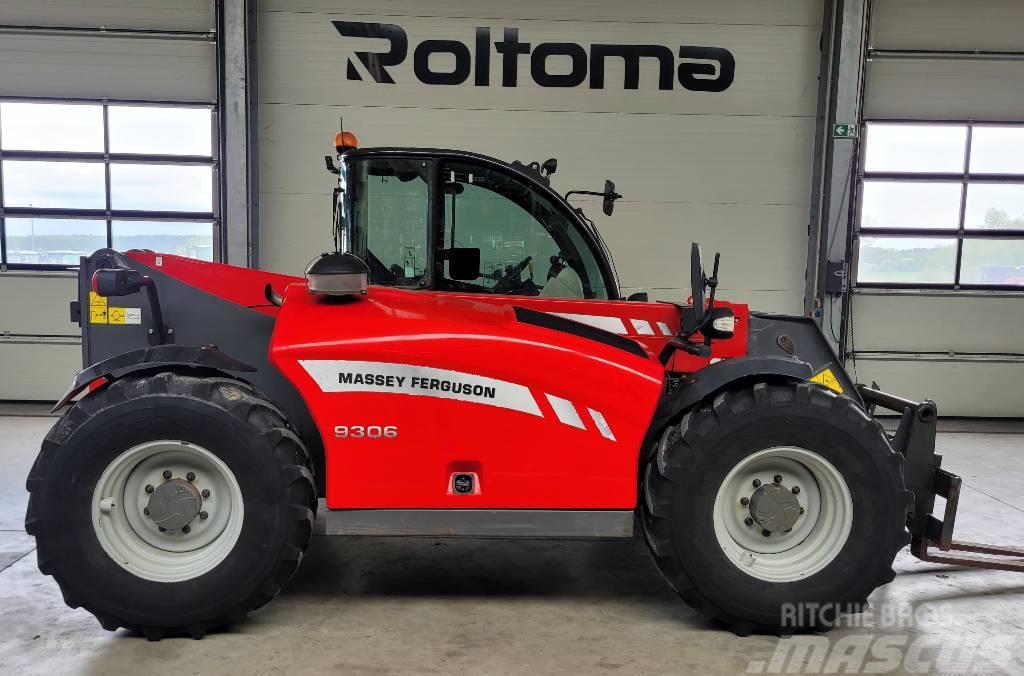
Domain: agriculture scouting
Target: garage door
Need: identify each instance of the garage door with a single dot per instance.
(103, 134)
(701, 112)
(940, 248)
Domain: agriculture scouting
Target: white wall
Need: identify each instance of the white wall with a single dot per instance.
(729, 169)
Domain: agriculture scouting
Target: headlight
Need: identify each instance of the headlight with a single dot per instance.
(722, 324)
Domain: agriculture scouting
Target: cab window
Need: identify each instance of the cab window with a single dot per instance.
(527, 246)
(390, 200)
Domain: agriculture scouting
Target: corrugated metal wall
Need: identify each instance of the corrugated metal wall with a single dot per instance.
(39, 350)
(945, 325)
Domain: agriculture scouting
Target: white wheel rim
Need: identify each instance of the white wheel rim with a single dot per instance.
(819, 532)
(135, 541)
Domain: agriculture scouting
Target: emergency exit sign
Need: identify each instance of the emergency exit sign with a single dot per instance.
(843, 130)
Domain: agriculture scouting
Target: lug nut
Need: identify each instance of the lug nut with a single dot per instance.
(186, 529)
(796, 490)
(765, 532)
(748, 521)
(206, 493)
(167, 474)
(162, 529)
(778, 478)
(191, 476)
(149, 489)
(801, 510)
(204, 515)
(744, 501)
(757, 483)
(145, 510)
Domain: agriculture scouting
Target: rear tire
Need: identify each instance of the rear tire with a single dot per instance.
(98, 532)
(845, 525)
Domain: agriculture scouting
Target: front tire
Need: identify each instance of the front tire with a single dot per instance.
(775, 508)
(171, 504)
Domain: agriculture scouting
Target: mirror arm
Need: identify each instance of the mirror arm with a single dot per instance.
(609, 195)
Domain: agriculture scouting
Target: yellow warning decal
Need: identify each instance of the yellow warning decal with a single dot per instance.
(124, 315)
(97, 308)
(828, 379)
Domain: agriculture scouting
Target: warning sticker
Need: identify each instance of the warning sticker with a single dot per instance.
(124, 315)
(829, 380)
(97, 308)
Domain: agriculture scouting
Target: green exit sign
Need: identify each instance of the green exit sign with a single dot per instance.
(843, 130)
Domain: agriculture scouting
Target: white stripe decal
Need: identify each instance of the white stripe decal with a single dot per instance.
(612, 324)
(371, 376)
(602, 424)
(565, 411)
(665, 331)
(642, 326)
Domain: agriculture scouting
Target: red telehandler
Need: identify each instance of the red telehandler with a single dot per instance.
(463, 364)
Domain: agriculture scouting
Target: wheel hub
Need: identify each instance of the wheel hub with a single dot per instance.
(782, 513)
(775, 508)
(174, 504)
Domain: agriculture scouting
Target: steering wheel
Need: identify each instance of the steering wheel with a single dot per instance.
(698, 282)
(510, 280)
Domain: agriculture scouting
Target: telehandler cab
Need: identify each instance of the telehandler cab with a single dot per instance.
(430, 377)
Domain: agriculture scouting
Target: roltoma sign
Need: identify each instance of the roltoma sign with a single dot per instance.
(551, 64)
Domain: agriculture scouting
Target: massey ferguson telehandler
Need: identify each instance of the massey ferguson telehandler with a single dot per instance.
(463, 364)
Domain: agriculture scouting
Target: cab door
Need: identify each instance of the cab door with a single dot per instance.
(527, 242)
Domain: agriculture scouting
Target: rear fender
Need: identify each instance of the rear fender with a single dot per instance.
(158, 358)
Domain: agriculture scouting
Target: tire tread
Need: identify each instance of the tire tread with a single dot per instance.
(239, 400)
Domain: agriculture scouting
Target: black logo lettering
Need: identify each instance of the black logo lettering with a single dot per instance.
(539, 64)
(631, 55)
(701, 61)
(700, 69)
(421, 62)
(375, 63)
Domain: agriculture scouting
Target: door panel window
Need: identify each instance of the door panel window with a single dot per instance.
(390, 212)
(526, 245)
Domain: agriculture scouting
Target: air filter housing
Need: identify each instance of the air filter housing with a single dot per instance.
(337, 274)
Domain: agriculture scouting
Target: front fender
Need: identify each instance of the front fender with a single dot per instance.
(153, 358)
(693, 387)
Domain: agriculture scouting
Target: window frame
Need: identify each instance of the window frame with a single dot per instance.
(963, 178)
(107, 158)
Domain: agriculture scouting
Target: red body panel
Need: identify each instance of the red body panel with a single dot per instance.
(562, 428)
(523, 459)
(243, 286)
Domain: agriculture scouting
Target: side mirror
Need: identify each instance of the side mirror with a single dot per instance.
(464, 263)
(608, 205)
(698, 281)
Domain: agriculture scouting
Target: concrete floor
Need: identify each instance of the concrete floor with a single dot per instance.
(425, 606)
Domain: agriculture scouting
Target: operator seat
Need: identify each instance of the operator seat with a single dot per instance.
(566, 284)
